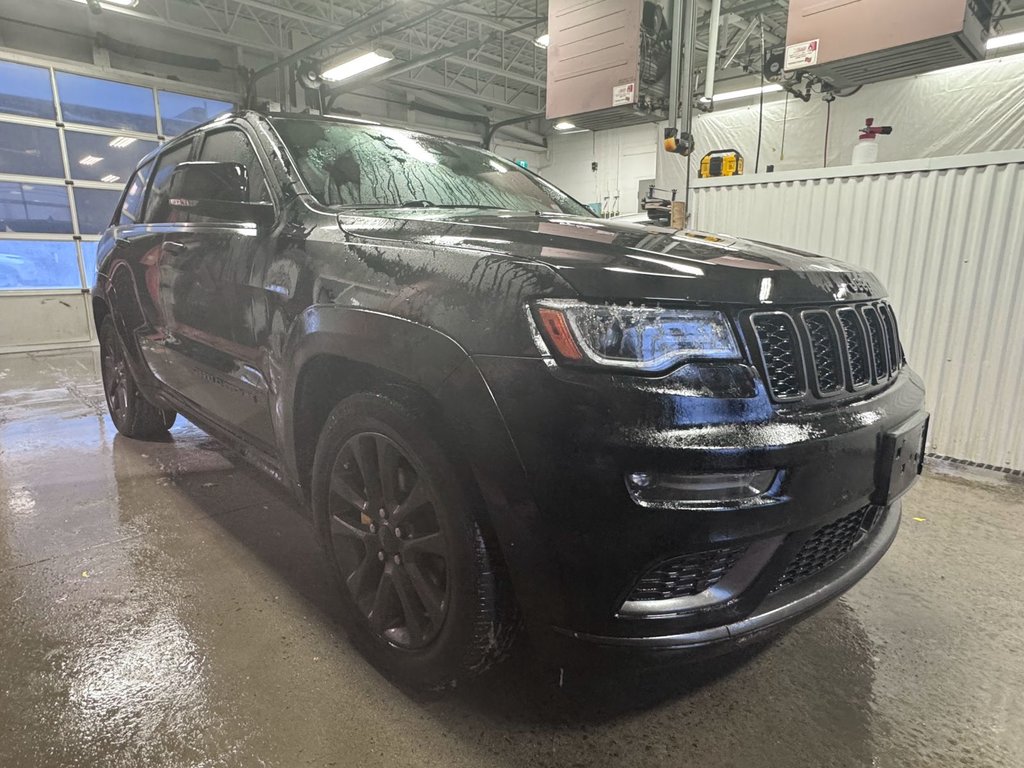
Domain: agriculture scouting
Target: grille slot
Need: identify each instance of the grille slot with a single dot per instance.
(828, 544)
(780, 351)
(891, 342)
(827, 364)
(686, 576)
(876, 341)
(856, 347)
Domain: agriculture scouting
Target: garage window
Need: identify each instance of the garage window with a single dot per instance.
(40, 208)
(69, 143)
(95, 208)
(92, 101)
(39, 264)
(26, 90)
(30, 150)
(179, 112)
(104, 157)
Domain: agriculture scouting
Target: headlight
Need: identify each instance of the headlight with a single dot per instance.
(639, 338)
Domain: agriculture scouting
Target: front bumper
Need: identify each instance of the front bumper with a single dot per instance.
(779, 609)
(575, 543)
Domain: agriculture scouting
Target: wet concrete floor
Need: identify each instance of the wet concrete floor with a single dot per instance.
(162, 604)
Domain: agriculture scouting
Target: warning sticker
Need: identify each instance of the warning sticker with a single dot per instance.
(801, 55)
(623, 94)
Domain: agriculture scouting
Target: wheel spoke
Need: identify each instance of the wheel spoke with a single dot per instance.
(365, 450)
(417, 498)
(343, 488)
(429, 593)
(410, 608)
(432, 543)
(382, 602)
(387, 464)
(341, 527)
(359, 582)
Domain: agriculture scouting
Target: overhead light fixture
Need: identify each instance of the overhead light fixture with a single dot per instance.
(89, 160)
(745, 92)
(543, 41)
(110, 178)
(111, 3)
(120, 142)
(564, 125)
(335, 70)
(1005, 41)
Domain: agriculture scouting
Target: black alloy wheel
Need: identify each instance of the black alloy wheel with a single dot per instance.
(117, 386)
(388, 542)
(132, 414)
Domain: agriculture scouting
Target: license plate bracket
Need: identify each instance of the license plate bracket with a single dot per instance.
(900, 459)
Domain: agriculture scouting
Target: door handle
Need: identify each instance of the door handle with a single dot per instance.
(170, 246)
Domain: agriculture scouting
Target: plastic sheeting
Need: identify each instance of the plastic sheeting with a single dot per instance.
(956, 111)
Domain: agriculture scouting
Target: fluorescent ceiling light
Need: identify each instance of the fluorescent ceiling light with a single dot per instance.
(543, 41)
(497, 166)
(120, 142)
(110, 178)
(1005, 41)
(116, 3)
(89, 160)
(564, 125)
(333, 71)
(745, 92)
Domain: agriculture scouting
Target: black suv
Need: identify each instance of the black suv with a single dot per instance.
(497, 406)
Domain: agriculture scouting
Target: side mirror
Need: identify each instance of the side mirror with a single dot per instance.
(206, 190)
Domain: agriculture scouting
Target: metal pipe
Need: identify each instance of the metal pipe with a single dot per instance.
(713, 23)
(677, 55)
(739, 42)
(686, 95)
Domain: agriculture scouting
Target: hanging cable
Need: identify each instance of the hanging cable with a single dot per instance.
(828, 122)
(760, 105)
(785, 117)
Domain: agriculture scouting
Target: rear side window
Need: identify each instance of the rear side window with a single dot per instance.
(233, 146)
(158, 207)
(131, 209)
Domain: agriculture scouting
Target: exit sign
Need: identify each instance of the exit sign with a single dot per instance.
(521, 163)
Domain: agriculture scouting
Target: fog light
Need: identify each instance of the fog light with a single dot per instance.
(654, 489)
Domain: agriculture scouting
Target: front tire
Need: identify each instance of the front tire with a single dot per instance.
(419, 585)
(132, 414)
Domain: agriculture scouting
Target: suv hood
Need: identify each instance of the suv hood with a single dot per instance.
(621, 261)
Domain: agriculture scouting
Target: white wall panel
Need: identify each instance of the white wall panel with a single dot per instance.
(947, 238)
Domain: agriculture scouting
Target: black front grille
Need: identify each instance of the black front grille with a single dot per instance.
(686, 576)
(825, 351)
(780, 350)
(828, 544)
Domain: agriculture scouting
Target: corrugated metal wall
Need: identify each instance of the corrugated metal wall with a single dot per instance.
(947, 238)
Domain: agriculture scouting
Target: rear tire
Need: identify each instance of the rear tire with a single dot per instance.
(132, 414)
(421, 589)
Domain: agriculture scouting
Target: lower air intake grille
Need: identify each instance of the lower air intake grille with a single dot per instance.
(686, 576)
(828, 544)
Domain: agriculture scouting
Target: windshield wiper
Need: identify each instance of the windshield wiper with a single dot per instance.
(429, 204)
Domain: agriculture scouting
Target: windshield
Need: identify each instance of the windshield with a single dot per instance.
(348, 164)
